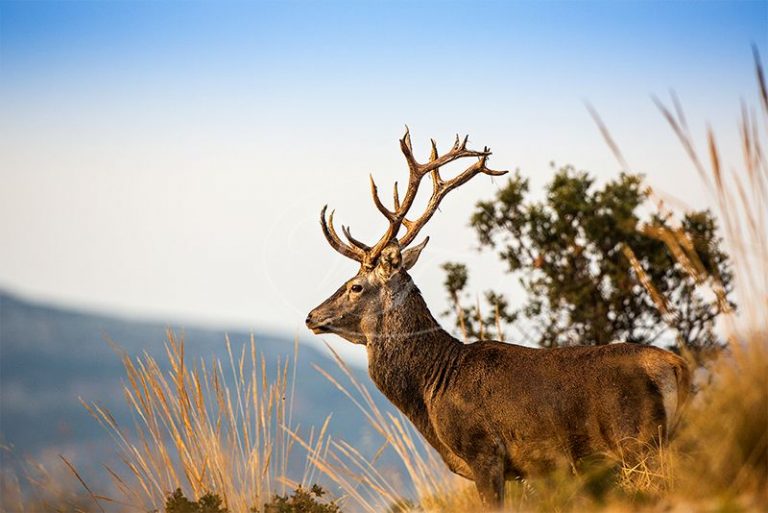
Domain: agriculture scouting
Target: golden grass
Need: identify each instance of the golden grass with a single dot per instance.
(372, 489)
(204, 428)
(722, 449)
(48, 490)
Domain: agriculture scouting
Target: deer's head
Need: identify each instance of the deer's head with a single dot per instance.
(382, 284)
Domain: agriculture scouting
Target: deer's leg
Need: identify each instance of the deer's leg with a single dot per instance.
(488, 468)
(462, 430)
(489, 480)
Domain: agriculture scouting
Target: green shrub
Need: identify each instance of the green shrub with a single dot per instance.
(208, 503)
(302, 501)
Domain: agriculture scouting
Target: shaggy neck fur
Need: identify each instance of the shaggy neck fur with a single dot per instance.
(410, 357)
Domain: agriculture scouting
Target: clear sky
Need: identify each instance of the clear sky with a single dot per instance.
(169, 159)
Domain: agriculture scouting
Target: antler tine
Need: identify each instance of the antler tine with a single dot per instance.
(392, 217)
(356, 254)
(354, 241)
(441, 188)
(375, 194)
(435, 172)
(396, 198)
(407, 138)
(459, 150)
(407, 149)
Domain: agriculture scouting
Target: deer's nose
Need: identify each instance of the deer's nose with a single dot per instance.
(312, 322)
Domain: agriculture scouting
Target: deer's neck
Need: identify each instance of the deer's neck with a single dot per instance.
(409, 354)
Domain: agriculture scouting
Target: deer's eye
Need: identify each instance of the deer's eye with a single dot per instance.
(356, 288)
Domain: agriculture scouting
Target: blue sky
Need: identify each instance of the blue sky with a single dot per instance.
(170, 158)
(370, 40)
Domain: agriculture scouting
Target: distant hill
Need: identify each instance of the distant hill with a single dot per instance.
(49, 357)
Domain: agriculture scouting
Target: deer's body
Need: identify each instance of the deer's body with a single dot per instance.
(505, 411)
(494, 411)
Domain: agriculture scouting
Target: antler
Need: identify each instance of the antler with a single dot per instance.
(366, 255)
(353, 251)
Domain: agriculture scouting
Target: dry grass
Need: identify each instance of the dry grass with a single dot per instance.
(206, 428)
(50, 490)
(369, 488)
(722, 450)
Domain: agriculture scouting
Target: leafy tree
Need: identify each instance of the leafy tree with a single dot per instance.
(594, 268)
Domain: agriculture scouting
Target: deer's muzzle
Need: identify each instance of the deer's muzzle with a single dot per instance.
(318, 324)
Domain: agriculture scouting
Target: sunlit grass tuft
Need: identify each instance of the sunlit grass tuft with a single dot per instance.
(204, 428)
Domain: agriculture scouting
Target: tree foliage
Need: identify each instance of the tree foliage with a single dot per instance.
(572, 253)
(302, 501)
(208, 503)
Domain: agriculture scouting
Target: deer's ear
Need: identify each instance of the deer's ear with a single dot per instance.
(392, 259)
(411, 255)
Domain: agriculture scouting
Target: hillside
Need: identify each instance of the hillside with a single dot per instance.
(50, 357)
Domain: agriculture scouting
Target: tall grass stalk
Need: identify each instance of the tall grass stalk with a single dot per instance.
(28, 486)
(425, 479)
(721, 453)
(203, 428)
(724, 442)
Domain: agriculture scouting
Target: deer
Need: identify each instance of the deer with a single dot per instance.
(494, 411)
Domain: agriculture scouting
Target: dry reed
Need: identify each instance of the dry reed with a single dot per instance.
(203, 428)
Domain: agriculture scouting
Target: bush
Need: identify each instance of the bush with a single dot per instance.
(208, 503)
(302, 501)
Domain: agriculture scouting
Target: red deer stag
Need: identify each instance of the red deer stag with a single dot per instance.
(494, 411)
